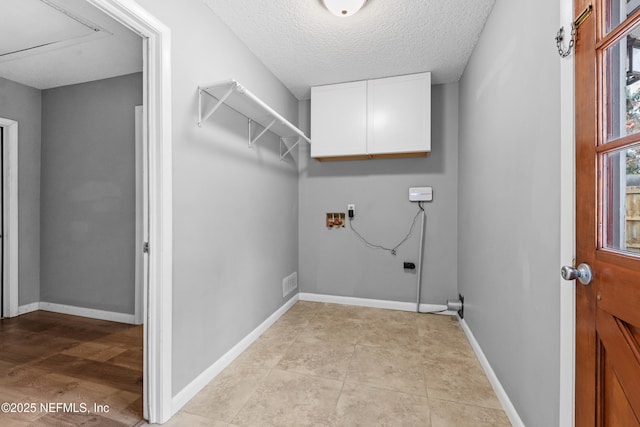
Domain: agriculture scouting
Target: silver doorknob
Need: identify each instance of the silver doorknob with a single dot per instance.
(582, 273)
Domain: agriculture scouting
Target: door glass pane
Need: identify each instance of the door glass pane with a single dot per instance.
(618, 10)
(621, 213)
(622, 90)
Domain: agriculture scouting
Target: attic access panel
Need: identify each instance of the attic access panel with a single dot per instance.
(48, 23)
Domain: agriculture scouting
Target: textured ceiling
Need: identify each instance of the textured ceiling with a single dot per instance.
(304, 45)
(55, 50)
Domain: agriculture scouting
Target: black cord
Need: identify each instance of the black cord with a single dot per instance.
(395, 248)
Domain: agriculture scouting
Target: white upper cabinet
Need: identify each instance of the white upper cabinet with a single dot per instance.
(389, 117)
(339, 119)
(399, 114)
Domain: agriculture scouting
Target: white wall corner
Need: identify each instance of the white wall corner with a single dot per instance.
(508, 407)
(195, 386)
(87, 312)
(28, 308)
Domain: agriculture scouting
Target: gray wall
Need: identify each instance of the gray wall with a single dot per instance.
(235, 213)
(23, 104)
(88, 194)
(509, 205)
(335, 262)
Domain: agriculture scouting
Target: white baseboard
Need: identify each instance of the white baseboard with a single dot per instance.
(77, 311)
(493, 379)
(194, 387)
(373, 303)
(28, 308)
(86, 312)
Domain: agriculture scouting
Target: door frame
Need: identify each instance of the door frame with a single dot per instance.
(10, 238)
(157, 133)
(567, 228)
(142, 215)
(157, 98)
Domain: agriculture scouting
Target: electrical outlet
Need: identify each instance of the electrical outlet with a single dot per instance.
(351, 209)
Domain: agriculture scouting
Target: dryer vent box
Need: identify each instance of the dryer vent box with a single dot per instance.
(420, 194)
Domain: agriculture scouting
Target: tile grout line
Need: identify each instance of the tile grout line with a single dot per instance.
(269, 370)
(388, 389)
(469, 404)
(313, 376)
(344, 381)
(424, 375)
(306, 328)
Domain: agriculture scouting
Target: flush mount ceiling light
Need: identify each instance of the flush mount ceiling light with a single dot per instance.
(344, 8)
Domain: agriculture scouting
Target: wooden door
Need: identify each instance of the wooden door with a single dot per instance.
(607, 63)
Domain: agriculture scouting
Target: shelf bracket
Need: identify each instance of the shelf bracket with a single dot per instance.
(215, 107)
(282, 156)
(254, 140)
(252, 108)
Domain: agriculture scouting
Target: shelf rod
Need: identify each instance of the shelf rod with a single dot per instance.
(282, 156)
(253, 141)
(218, 104)
(272, 112)
(290, 130)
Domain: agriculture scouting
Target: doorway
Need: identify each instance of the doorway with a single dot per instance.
(2, 315)
(1, 222)
(86, 346)
(158, 304)
(9, 240)
(157, 334)
(89, 199)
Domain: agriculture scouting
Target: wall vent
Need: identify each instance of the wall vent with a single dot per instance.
(289, 284)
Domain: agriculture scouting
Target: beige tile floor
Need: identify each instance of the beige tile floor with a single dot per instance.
(336, 365)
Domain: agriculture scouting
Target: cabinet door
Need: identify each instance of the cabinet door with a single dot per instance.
(399, 110)
(339, 120)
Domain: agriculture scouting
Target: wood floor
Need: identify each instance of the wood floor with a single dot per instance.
(61, 370)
